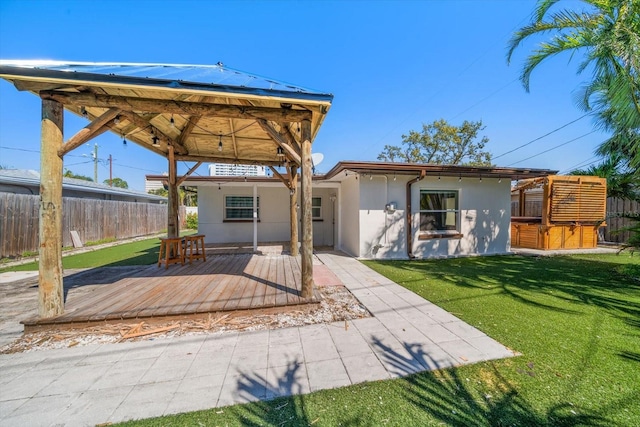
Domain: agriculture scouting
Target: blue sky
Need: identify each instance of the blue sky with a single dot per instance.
(390, 65)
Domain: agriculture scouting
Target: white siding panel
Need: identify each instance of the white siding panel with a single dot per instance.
(485, 217)
(349, 216)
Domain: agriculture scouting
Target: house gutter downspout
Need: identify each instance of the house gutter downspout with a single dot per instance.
(408, 212)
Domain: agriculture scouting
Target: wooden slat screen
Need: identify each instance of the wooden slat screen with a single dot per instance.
(576, 200)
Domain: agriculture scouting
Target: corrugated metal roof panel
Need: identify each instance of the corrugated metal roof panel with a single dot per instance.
(171, 75)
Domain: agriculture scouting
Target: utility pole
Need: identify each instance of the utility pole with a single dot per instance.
(110, 171)
(95, 163)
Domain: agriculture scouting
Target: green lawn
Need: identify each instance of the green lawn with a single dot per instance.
(142, 252)
(575, 319)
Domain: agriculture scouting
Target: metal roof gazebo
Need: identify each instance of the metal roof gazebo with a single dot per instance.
(199, 113)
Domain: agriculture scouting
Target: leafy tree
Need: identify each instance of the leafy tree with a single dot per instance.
(441, 143)
(159, 192)
(186, 198)
(69, 174)
(606, 34)
(117, 182)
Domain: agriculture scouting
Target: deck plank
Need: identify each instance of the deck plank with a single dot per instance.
(261, 288)
(250, 289)
(283, 290)
(197, 285)
(227, 284)
(242, 281)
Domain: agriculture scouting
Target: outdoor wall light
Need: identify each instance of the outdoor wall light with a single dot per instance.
(154, 141)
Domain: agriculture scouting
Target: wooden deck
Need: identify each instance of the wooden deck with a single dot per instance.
(223, 283)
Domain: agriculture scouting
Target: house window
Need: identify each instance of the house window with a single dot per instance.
(316, 208)
(439, 213)
(237, 208)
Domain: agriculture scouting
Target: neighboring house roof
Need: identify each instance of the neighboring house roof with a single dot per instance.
(31, 178)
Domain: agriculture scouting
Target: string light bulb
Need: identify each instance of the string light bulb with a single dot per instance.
(459, 178)
(499, 179)
(172, 123)
(116, 121)
(394, 176)
(83, 111)
(220, 144)
(124, 141)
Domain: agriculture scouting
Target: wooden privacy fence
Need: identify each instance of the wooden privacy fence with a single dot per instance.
(613, 231)
(93, 219)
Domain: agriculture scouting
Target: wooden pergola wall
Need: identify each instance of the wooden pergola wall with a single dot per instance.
(172, 126)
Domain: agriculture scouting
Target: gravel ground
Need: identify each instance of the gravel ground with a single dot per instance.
(19, 301)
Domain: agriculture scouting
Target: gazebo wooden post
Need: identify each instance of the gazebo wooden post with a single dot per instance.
(293, 208)
(173, 229)
(307, 224)
(50, 287)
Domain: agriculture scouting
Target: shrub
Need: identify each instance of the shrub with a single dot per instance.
(192, 221)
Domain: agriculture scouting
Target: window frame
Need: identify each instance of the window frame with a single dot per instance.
(313, 208)
(226, 217)
(440, 233)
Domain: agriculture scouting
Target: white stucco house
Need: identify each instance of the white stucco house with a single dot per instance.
(372, 209)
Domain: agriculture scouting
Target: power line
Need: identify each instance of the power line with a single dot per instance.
(540, 137)
(587, 162)
(484, 99)
(80, 163)
(552, 148)
(464, 70)
(3, 147)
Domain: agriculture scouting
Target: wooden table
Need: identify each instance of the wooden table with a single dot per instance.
(171, 251)
(194, 247)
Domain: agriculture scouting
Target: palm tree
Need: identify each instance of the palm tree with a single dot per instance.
(607, 34)
(622, 182)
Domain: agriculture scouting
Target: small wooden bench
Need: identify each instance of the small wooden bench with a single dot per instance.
(171, 251)
(194, 247)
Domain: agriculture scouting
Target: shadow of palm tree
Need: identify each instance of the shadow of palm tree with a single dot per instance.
(447, 396)
(285, 402)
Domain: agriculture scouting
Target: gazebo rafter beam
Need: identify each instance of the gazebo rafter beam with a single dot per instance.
(291, 138)
(93, 129)
(233, 134)
(280, 177)
(186, 131)
(188, 174)
(177, 107)
(142, 123)
(280, 141)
